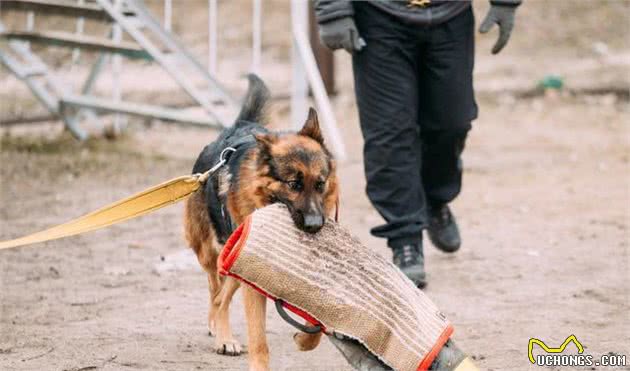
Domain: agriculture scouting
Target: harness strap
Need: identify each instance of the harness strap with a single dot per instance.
(226, 226)
(249, 138)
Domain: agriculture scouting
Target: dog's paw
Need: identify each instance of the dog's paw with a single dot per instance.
(306, 342)
(211, 329)
(228, 347)
(258, 367)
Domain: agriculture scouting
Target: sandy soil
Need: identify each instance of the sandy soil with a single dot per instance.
(544, 214)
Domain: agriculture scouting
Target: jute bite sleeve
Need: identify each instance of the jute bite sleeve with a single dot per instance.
(332, 280)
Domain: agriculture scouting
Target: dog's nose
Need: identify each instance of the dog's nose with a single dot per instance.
(313, 223)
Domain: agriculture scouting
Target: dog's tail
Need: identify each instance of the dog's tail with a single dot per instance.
(255, 102)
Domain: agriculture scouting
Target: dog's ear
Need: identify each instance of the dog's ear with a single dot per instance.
(265, 141)
(311, 127)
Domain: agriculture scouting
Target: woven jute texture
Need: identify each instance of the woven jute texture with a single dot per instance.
(342, 284)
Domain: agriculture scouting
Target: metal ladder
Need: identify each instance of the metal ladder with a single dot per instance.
(29, 68)
(151, 42)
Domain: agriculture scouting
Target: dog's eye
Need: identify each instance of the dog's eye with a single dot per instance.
(295, 185)
(319, 186)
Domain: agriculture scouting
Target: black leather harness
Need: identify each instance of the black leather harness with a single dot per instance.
(217, 203)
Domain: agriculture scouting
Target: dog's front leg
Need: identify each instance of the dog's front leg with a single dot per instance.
(255, 308)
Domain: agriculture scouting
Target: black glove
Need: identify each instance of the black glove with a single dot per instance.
(341, 33)
(503, 15)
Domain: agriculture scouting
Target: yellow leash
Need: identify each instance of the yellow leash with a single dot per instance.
(139, 204)
(466, 365)
(142, 203)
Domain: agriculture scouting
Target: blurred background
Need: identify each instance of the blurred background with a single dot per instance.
(544, 212)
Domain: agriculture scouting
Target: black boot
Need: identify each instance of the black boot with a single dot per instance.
(410, 259)
(443, 230)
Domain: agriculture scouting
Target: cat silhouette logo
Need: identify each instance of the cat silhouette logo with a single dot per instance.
(547, 349)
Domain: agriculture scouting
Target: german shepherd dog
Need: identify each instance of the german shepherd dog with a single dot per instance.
(294, 169)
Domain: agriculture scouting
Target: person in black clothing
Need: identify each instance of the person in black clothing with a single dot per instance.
(413, 73)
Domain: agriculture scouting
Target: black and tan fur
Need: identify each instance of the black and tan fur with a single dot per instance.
(295, 169)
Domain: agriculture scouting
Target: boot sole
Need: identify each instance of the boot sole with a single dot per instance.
(442, 247)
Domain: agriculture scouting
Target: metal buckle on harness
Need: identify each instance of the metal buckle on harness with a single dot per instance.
(223, 158)
(419, 3)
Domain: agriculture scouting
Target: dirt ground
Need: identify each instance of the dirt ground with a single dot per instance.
(544, 213)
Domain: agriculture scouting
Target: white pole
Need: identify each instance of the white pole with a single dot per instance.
(30, 25)
(212, 37)
(116, 68)
(299, 84)
(168, 15)
(256, 35)
(76, 52)
(327, 116)
(30, 21)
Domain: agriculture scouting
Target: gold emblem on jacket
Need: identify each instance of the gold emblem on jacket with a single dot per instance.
(420, 3)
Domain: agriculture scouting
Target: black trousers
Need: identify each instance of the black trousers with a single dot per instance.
(416, 102)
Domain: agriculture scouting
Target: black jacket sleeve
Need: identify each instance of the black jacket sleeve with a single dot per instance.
(328, 10)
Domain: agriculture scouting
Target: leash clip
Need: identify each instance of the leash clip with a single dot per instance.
(223, 158)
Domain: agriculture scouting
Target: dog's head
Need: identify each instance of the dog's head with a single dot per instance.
(301, 174)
